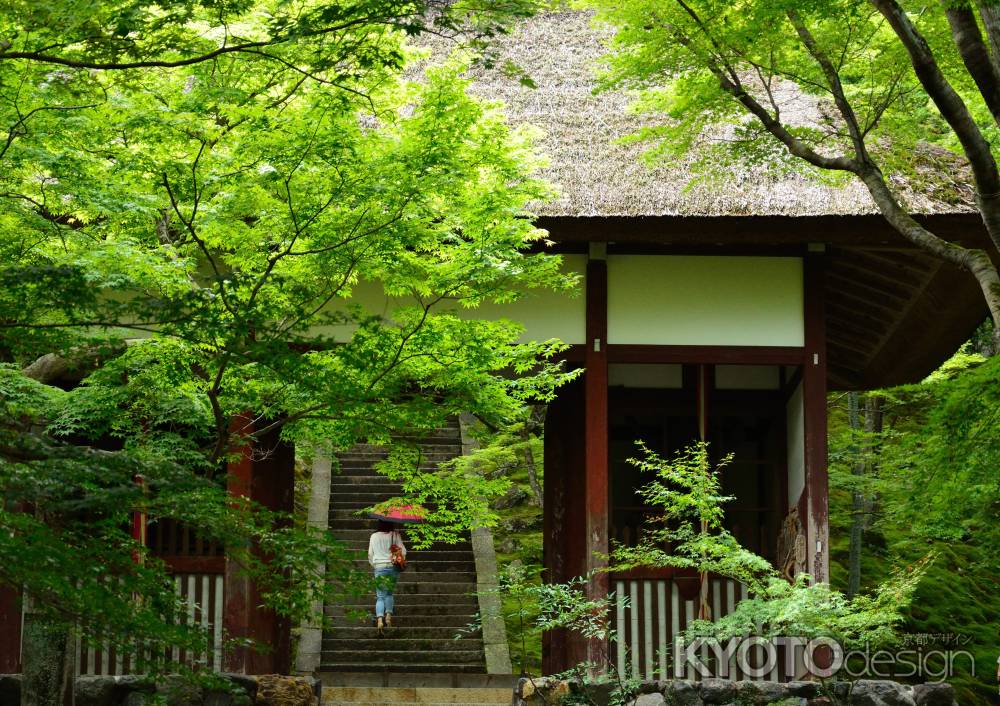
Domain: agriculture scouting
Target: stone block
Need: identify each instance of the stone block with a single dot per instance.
(821, 701)
(877, 692)
(681, 692)
(654, 699)
(717, 691)
(805, 689)
(761, 692)
(933, 694)
(95, 691)
(277, 690)
(177, 691)
(542, 690)
(137, 698)
(246, 683)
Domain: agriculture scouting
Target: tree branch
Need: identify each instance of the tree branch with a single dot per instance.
(976, 57)
(730, 82)
(41, 57)
(955, 112)
(835, 85)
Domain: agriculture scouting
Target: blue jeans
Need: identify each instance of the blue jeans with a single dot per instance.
(385, 583)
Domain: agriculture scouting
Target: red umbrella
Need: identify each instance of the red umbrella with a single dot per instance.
(399, 514)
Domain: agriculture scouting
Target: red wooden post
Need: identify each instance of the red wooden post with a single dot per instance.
(10, 630)
(596, 434)
(816, 519)
(263, 473)
(565, 516)
(237, 589)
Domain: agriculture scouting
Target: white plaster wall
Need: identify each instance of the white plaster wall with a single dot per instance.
(544, 314)
(796, 434)
(705, 300)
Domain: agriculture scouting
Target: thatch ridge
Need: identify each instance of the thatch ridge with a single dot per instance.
(597, 175)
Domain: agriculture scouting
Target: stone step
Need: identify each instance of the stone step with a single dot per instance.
(446, 554)
(463, 626)
(423, 567)
(392, 679)
(409, 577)
(418, 555)
(440, 444)
(442, 604)
(422, 703)
(427, 456)
(398, 632)
(401, 657)
(352, 521)
(434, 588)
(372, 642)
(439, 666)
(364, 481)
(370, 492)
(447, 571)
(363, 535)
(426, 696)
(413, 605)
(362, 498)
(449, 622)
(368, 468)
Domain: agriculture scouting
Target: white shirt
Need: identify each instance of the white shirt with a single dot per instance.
(378, 548)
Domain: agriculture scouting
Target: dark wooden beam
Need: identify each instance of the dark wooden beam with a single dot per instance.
(838, 281)
(596, 433)
(194, 564)
(950, 307)
(870, 231)
(814, 388)
(746, 355)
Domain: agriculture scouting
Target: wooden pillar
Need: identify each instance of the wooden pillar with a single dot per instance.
(564, 524)
(236, 585)
(264, 474)
(596, 430)
(816, 520)
(10, 630)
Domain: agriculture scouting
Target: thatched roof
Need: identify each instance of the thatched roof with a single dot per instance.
(599, 176)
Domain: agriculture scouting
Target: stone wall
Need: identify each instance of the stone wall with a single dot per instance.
(551, 692)
(264, 690)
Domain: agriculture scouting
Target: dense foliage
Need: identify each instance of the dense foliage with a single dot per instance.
(933, 487)
(212, 209)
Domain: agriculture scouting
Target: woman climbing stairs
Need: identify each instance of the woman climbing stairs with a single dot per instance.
(435, 596)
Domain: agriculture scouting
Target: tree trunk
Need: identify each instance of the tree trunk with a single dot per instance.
(862, 504)
(857, 499)
(989, 11)
(47, 656)
(529, 464)
(310, 648)
(873, 428)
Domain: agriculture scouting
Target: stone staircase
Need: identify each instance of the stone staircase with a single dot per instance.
(425, 696)
(435, 597)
